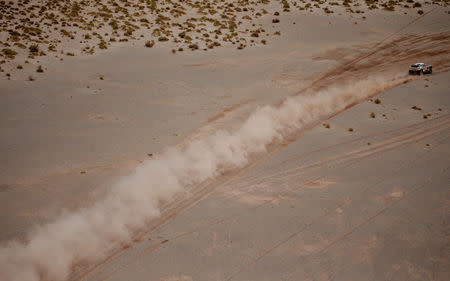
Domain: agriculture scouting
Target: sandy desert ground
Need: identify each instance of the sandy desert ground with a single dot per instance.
(296, 147)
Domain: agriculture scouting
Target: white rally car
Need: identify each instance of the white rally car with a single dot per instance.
(420, 68)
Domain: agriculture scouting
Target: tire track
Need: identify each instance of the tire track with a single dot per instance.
(208, 188)
(365, 151)
(371, 218)
(198, 195)
(172, 209)
(288, 238)
(201, 191)
(343, 163)
(294, 137)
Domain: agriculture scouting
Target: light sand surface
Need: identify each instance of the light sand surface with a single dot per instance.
(322, 204)
(330, 205)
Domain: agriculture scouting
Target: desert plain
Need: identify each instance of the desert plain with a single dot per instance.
(224, 140)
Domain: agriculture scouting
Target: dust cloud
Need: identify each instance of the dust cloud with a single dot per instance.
(90, 233)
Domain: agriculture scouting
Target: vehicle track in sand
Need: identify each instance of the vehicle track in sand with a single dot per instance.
(391, 139)
(395, 201)
(327, 213)
(370, 71)
(385, 56)
(403, 138)
(412, 133)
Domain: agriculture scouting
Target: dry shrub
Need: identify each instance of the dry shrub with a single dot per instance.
(34, 48)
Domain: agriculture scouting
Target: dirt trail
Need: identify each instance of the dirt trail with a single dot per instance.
(388, 57)
(384, 58)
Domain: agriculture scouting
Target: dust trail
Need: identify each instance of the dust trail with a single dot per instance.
(88, 234)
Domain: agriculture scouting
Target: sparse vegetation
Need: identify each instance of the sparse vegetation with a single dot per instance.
(372, 115)
(34, 48)
(241, 46)
(9, 53)
(45, 25)
(40, 69)
(20, 45)
(149, 43)
(377, 101)
(103, 45)
(193, 47)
